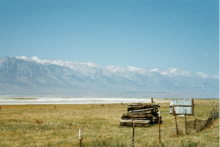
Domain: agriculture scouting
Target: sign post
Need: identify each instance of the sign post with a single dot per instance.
(176, 123)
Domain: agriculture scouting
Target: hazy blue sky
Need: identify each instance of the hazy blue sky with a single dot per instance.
(142, 33)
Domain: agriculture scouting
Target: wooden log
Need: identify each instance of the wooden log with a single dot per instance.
(154, 118)
(142, 125)
(136, 118)
(135, 121)
(156, 105)
(138, 108)
(138, 123)
(141, 110)
(137, 111)
(135, 115)
(155, 113)
(143, 106)
(156, 121)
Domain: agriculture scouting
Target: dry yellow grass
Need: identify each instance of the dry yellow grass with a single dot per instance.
(37, 125)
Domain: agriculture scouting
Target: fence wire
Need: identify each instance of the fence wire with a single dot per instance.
(198, 124)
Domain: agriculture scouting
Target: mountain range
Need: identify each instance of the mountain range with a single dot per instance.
(35, 77)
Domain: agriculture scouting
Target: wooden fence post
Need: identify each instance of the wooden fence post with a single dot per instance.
(80, 138)
(204, 117)
(176, 123)
(185, 123)
(133, 136)
(192, 106)
(210, 113)
(54, 106)
(152, 100)
(159, 127)
(0, 108)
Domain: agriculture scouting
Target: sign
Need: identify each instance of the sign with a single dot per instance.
(182, 106)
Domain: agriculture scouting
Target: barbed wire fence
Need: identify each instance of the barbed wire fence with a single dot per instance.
(192, 126)
(198, 124)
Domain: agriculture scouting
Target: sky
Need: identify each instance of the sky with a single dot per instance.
(141, 33)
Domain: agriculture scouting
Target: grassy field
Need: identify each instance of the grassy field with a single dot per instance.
(39, 125)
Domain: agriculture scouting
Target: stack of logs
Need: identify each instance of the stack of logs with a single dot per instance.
(142, 115)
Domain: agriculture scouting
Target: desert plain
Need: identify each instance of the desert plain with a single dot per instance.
(58, 126)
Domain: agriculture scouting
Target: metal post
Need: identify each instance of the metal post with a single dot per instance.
(133, 136)
(159, 127)
(185, 124)
(195, 124)
(80, 138)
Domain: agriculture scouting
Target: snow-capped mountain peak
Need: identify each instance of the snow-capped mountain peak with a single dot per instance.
(41, 76)
(83, 67)
(131, 68)
(155, 70)
(36, 58)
